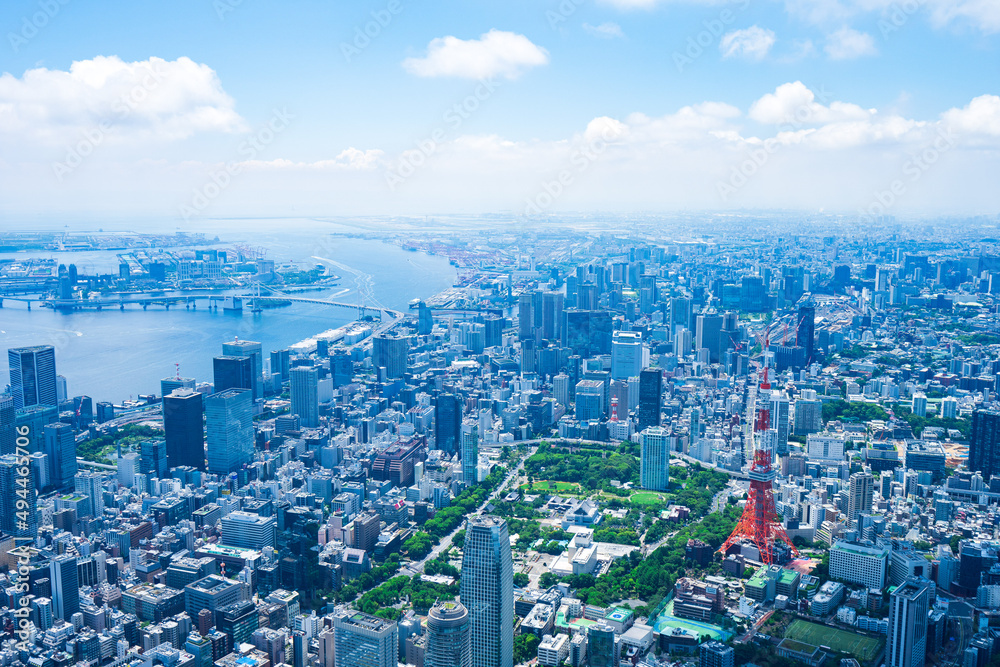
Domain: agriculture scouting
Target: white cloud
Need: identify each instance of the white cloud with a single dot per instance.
(605, 30)
(982, 14)
(847, 44)
(981, 116)
(351, 159)
(795, 103)
(751, 43)
(495, 53)
(151, 99)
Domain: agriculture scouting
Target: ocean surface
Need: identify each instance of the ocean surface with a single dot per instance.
(113, 355)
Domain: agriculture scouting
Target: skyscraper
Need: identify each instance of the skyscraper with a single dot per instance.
(860, 498)
(390, 352)
(470, 451)
(229, 421)
(65, 586)
(153, 458)
(601, 649)
(183, 429)
(60, 448)
(280, 363)
(13, 487)
(708, 334)
(779, 420)
(33, 375)
(907, 637)
(362, 640)
(650, 398)
(91, 484)
(984, 452)
(628, 355)
(232, 372)
(449, 636)
(805, 333)
(167, 385)
(304, 383)
(655, 461)
(248, 348)
(447, 422)
(8, 414)
(487, 591)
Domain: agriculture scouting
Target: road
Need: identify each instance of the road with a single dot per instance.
(444, 545)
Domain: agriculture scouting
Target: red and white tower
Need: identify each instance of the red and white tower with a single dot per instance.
(759, 524)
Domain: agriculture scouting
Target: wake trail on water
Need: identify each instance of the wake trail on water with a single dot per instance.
(363, 282)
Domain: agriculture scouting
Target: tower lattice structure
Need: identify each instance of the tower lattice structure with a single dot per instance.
(759, 523)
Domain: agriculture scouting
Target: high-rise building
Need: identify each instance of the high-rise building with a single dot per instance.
(860, 495)
(805, 333)
(248, 348)
(8, 417)
(229, 422)
(708, 335)
(918, 405)
(183, 428)
(470, 451)
(91, 484)
(587, 332)
(808, 413)
(60, 449)
(984, 444)
(239, 621)
(389, 352)
(487, 591)
(447, 423)
(362, 640)
(650, 398)
(167, 385)
(601, 648)
(655, 461)
(64, 579)
(281, 363)
(907, 637)
(715, 654)
(341, 367)
(33, 375)
(552, 315)
(246, 530)
(153, 458)
(19, 522)
(449, 636)
(779, 421)
(304, 383)
(232, 372)
(212, 592)
(589, 400)
(628, 355)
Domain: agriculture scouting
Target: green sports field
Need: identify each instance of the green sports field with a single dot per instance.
(545, 486)
(646, 498)
(862, 648)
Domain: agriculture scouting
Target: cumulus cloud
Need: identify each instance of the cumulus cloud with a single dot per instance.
(351, 159)
(795, 103)
(981, 116)
(150, 99)
(605, 30)
(848, 43)
(751, 43)
(495, 53)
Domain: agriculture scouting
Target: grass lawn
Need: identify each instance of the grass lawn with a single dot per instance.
(862, 648)
(647, 498)
(546, 486)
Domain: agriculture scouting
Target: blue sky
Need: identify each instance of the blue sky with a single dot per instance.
(587, 104)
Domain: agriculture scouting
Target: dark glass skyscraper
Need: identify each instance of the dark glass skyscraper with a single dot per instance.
(183, 429)
(650, 398)
(233, 372)
(33, 375)
(805, 334)
(487, 591)
(8, 413)
(984, 445)
(448, 422)
(60, 448)
(65, 584)
(13, 487)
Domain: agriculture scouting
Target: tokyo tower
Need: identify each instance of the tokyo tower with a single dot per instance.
(759, 524)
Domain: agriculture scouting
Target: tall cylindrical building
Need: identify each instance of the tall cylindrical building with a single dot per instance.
(449, 636)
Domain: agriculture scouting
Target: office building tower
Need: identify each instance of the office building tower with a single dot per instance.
(91, 484)
(153, 458)
(859, 564)
(984, 444)
(650, 398)
(708, 335)
(918, 405)
(715, 654)
(949, 407)
(64, 580)
(589, 400)
(805, 333)
(233, 372)
(860, 499)
(470, 451)
(449, 636)
(487, 591)
(167, 385)
(525, 317)
(655, 459)
(447, 422)
(304, 383)
(8, 416)
(200, 647)
(238, 621)
(183, 428)
(425, 319)
(560, 389)
(779, 420)
(60, 450)
(907, 637)
(389, 352)
(281, 363)
(229, 421)
(14, 486)
(341, 367)
(552, 315)
(247, 348)
(601, 648)
(628, 355)
(246, 530)
(33, 376)
(587, 332)
(212, 593)
(808, 413)
(362, 640)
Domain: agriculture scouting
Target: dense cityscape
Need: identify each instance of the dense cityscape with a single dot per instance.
(713, 447)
